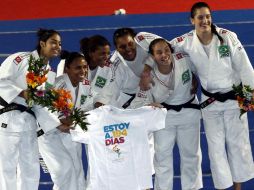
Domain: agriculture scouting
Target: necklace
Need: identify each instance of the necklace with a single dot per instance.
(170, 79)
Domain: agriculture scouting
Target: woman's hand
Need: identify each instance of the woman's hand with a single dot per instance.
(65, 128)
(24, 94)
(156, 105)
(145, 80)
(66, 121)
(98, 104)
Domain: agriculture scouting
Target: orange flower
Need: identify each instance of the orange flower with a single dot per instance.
(30, 75)
(64, 94)
(41, 79)
(30, 78)
(63, 101)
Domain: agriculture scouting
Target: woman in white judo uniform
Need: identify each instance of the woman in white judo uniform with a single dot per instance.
(61, 155)
(19, 156)
(172, 89)
(96, 50)
(127, 64)
(220, 61)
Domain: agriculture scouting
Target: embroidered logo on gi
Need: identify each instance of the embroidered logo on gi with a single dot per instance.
(140, 38)
(17, 60)
(83, 99)
(186, 76)
(179, 56)
(100, 82)
(224, 31)
(224, 51)
(179, 39)
(4, 125)
(85, 82)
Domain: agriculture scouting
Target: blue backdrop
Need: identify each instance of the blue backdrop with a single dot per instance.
(18, 36)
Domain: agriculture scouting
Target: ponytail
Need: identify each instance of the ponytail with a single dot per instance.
(214, 31)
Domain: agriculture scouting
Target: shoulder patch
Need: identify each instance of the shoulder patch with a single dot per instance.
(20, 57)
(180, 55)
(223, 31)
(140, 38)
(17, 60)
(229, 35)
(180, 39)
(85, 82)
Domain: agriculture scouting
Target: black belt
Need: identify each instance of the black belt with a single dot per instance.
(179, 107)
(221, 97)
(126, 104)
(13, 106)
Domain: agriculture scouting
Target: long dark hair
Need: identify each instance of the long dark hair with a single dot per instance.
(44, 35)
(88, 45)
(200, 5)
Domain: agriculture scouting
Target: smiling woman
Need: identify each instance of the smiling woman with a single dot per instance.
(20, 11)
(76, 67)
(18, 137)
(220, 61)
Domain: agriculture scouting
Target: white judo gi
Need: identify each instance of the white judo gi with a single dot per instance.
(62, 156)
(182, 127)
(98, 77)
(225, 64)
(19, 157)
(125, 75)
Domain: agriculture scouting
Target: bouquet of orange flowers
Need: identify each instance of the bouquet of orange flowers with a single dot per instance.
(56, 100)
(35, 77)
(245, 97)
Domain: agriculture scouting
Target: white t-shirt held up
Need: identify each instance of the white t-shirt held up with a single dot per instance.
(118, 148)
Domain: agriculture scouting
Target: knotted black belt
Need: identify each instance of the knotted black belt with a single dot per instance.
(221, 97)
(179, 107)
(13, 106)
